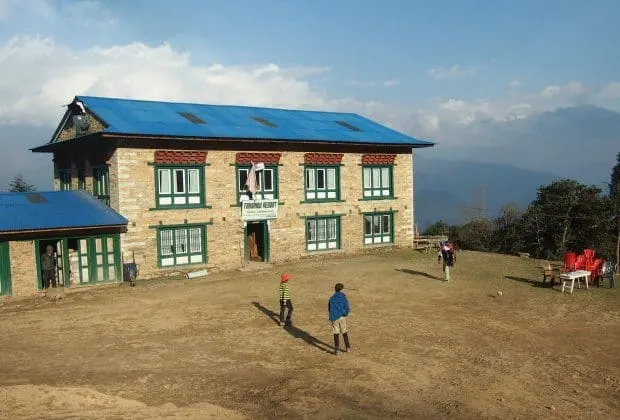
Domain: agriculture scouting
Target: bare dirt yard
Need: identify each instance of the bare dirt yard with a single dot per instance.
(210, 348)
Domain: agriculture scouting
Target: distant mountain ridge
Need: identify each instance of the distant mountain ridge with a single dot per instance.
(445, 190)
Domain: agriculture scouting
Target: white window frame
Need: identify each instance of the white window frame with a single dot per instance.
(382, 235)
(169, 195)
(182, 245)
(377, 181)
(322, 233)
(329, 175)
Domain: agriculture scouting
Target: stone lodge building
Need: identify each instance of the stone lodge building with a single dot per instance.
(320, 182)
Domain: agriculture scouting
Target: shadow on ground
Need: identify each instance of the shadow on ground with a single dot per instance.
(418, 273)
(533, 283)
(294, 331)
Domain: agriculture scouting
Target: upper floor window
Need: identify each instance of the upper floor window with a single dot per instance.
(64, 176)
(81, 179)
(378, 182)
(101, 186)
(265, 182)
(179, 186)
(322, 183)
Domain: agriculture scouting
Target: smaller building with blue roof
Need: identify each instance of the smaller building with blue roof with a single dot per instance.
(83, 233)
(219, 186)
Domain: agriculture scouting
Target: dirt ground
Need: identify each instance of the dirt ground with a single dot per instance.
(421, 348)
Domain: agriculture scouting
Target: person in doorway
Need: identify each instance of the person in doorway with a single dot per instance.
(446, 254)
(48, 267)
(338, 308)
(285, 300)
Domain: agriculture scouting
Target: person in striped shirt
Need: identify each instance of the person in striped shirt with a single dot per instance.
(285, 300)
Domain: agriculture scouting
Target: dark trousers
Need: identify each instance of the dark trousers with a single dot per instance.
(49, 278)
(284, 304)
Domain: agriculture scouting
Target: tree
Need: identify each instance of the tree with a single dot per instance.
(566, 216)
(19, 184)
(507, 237)
(437, 229)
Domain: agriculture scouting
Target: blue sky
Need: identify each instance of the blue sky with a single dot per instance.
(442, 70)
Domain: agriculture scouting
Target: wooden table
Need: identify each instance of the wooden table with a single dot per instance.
(572, 276)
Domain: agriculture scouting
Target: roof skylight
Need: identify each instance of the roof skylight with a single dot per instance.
(349, 126)
(192, 117)
(264, 122)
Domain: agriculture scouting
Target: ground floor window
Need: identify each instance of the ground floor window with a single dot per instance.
(378, 228)
(322, 233)
(182, 245)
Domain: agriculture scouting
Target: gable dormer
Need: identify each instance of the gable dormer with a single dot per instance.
(78, 121)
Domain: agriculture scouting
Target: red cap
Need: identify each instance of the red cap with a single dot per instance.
(285, 277)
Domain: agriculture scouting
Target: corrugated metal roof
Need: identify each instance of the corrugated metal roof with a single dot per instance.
(125, 116)
(54, 210)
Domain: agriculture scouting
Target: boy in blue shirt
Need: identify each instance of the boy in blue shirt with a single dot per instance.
(338, 308)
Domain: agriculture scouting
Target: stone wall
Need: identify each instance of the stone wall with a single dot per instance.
(24, 276)
(133, 182)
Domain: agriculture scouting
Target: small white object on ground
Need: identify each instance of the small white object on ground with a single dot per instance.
(194, 274)
(499, 293)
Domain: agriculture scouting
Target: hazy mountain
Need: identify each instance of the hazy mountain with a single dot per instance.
(447, 190)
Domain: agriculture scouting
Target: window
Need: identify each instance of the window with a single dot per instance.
(64, 175)
(322, 233)
(192, 117)
(179, 186)
(378, 228)
(266, 183)
(377, 182)
(101, 187)
(81, 179)
(322, 183)
(181, 245)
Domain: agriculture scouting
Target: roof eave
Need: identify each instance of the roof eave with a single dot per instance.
(57, 229)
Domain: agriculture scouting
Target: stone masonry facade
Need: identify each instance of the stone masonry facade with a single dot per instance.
(23, 268)
(132, 194)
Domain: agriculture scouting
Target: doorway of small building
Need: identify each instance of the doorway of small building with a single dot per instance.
(257, 241)
(59, 261)
(5, 270)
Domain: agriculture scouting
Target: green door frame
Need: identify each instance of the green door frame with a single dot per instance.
(5, 270)
(92, 253)
(65, 260)
(266, 239)
(92, 258)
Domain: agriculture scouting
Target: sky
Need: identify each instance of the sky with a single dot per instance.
(479, 78)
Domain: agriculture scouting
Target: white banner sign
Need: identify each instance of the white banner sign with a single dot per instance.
(259, 210)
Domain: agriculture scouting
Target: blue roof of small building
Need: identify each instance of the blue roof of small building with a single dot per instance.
(149, 118)
(54, 210)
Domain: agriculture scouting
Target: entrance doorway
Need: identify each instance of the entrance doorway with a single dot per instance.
(257, 241)
(61, 270)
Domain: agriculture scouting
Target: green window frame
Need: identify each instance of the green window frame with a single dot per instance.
(179, 186)
(323, 233)
(81, 179)
(378, 182)
(64, 176)
(5, 270)
(181, 245)
(101, 183)
(322, 183)
(378, 228)
(267, 182)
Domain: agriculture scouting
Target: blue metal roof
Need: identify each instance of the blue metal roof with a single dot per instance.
(149, 118)
(54, 210)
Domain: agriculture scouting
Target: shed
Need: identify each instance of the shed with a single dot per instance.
(83, 232)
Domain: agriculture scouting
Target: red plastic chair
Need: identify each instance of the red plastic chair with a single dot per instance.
(580, 262)
(569, 261)
(589, 254)
(594, 269)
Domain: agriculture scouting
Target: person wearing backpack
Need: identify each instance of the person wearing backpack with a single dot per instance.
(447, 255)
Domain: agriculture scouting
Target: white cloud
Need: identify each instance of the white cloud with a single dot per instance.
(514, 84)
(38, 75)
(391, 83)
(611, 90)
(357, 83)
(453, 72)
